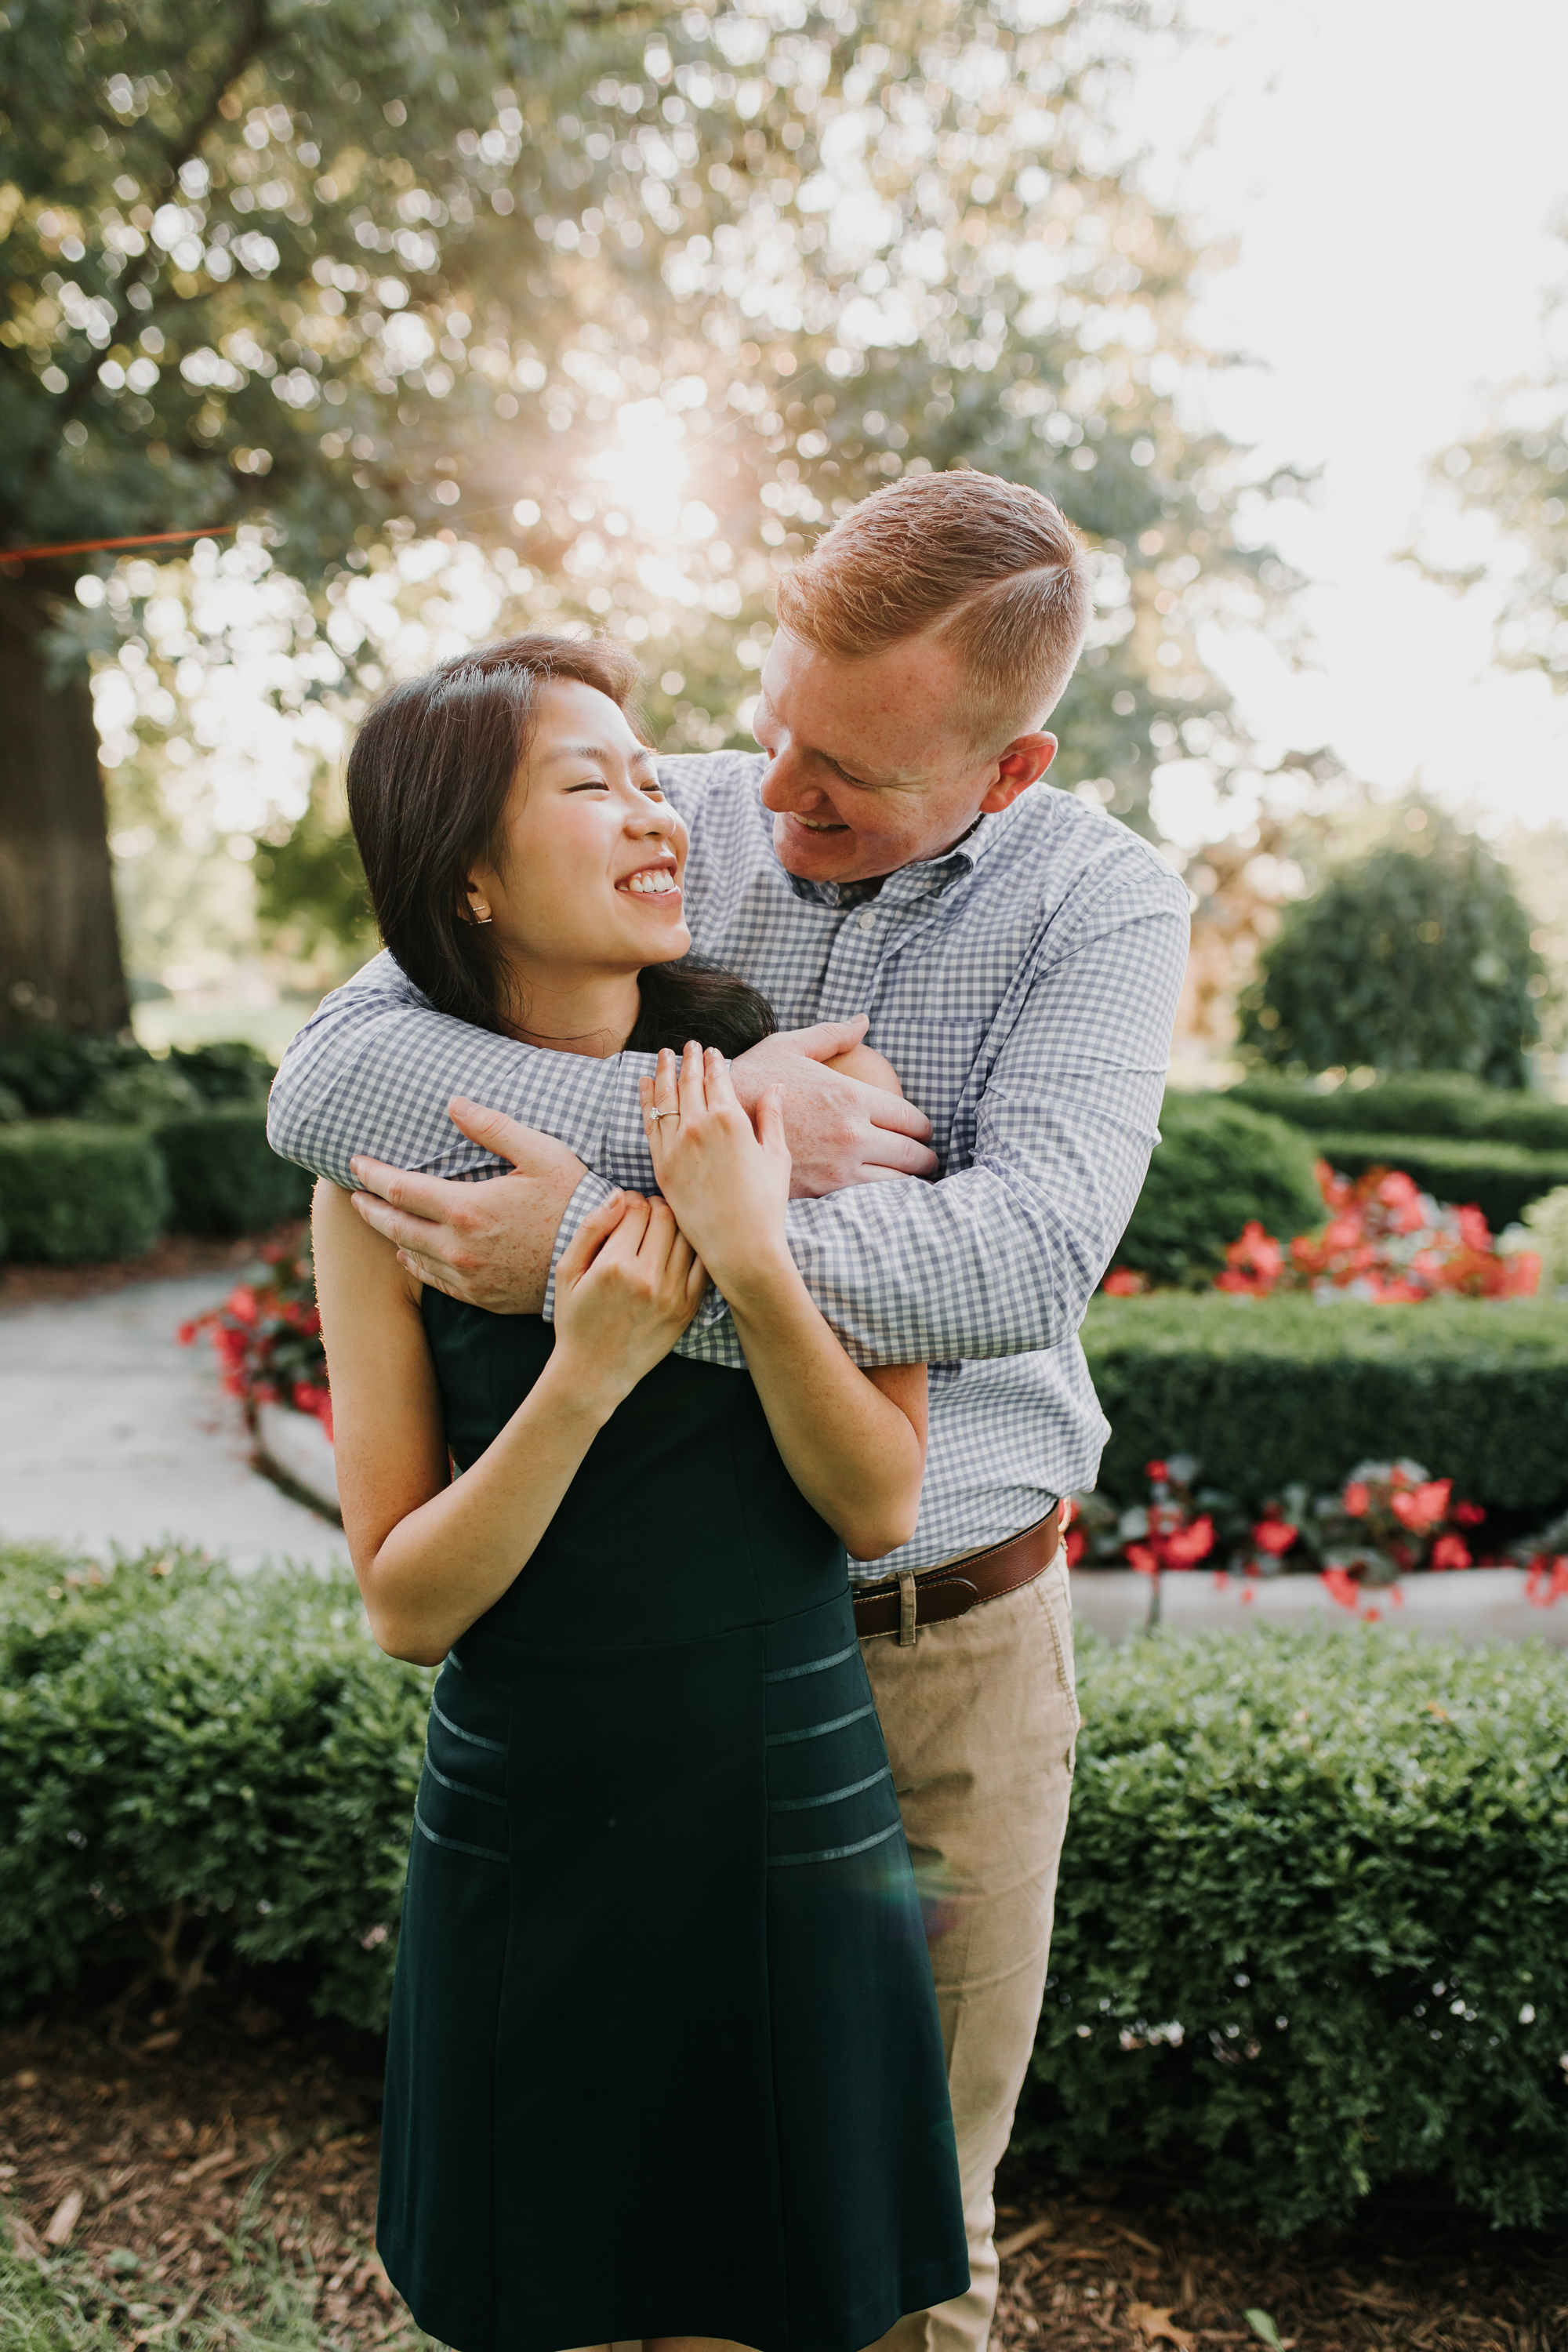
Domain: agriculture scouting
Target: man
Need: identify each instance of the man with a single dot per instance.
(892, 853)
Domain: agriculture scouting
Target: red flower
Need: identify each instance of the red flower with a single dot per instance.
(1470, 1515)
(1423, 1506)
(1158, 1471)
(1450, 1551)
(1547, 1580)
(241, 1304)
(1343, 1587)
(1122, 1283)
(1140, 1557)
(1356, 1499)
(1274, 1536)
(1187, 1546)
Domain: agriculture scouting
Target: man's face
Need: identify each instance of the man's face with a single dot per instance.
(870, 768)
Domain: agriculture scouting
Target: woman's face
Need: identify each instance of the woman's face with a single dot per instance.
(589, 874)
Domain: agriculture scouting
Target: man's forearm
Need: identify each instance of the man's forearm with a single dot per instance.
(373, 1073)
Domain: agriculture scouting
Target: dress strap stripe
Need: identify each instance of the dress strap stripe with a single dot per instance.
(462, 1788)
(818, 1666)
(804, 1804)
(497, 1747)
(484, 1852)
(836, 1852)
(817, 1730)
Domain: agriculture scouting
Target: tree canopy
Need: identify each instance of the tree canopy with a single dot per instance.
(632, 301)
(1515, 472)
(1405, 959)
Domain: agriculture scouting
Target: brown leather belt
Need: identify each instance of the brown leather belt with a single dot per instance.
(906, 1601)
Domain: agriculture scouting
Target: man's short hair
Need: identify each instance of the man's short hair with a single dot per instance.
(988, 567)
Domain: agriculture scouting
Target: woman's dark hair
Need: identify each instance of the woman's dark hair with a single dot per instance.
(428, 780)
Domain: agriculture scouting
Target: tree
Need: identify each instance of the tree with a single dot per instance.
(1515, 472)
(636, 302)
(1406, 959)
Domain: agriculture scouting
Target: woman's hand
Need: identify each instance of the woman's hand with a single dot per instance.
(625, 1289)
(727, 1183)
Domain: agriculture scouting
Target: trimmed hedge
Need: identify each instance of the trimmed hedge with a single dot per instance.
(1431, 1105)
(1288, 1861)
(1216, 1164)
(1311, 1930)
(205, 1761)
(68, 1191)
(1499, 1178)
(224, 1176)
(1264, 1392)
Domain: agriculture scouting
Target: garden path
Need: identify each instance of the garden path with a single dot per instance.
(112, 1433)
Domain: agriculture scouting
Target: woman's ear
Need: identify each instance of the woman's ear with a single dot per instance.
(478, 906)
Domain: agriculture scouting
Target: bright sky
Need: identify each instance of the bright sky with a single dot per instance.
(1391, 171)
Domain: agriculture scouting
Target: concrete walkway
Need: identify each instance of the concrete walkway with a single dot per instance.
(112, 1433)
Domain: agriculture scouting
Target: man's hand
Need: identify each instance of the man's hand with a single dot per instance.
(488, 1243)
(839, 1131)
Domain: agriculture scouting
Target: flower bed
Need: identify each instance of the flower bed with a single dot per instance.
(268, 1338)
(1384, 1522)
(1385, 1241)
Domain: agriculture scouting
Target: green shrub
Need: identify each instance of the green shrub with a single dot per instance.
(1311, 1927)
(68, 1191)
(228, 1072)
(1499, 1178)
(1432, 1104)
(1216, 1165)
(139, 1096)
(1547, 1220)
(224, 1176)
(191, 1760)
(1266, 1390)
(1406, 959)
(51, 1073)
(1288, 1860)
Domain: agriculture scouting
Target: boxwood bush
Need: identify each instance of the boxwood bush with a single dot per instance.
(1311, 1889)
(70, 1190)
(1216, 1165)
(1311, 1932)
(192, 1761)
(1428, 1104)
(224, 1176)
(1266, 1391)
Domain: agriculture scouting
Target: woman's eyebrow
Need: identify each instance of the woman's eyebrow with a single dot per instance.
(636, 759)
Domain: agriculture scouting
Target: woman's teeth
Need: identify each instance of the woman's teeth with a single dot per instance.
(658, 884)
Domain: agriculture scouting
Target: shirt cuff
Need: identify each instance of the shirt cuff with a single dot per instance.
(592, 1194)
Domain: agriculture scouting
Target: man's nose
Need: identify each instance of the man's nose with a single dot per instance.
(785, 784)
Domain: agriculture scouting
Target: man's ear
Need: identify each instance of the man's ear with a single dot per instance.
(1023, 763)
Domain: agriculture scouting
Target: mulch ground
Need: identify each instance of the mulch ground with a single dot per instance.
(169, 1258)
(156, 2134)
(1112, 2264)
(149, 2131)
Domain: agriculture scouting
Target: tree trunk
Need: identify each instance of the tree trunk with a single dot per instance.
(59, 946)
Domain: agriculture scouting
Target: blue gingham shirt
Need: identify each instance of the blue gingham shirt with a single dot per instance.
(1023, 986)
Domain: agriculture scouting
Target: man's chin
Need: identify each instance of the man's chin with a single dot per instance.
(825, 856)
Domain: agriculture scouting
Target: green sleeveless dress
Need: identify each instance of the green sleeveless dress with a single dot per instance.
(664, 2056)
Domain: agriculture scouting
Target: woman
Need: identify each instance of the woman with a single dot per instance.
(665, 2060)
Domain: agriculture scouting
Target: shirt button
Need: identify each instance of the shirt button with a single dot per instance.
(866, 920)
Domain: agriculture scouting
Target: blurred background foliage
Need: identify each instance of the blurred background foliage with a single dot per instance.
(469, 316)
(474, 315)
(1416, 955)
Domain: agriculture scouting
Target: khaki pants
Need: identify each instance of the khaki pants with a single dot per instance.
(979, 1720)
